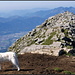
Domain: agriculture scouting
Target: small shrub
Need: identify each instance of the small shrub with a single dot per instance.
(58, 69)
(66, 32)
(68, 54)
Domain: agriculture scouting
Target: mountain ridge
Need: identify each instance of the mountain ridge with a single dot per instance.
(54, 34)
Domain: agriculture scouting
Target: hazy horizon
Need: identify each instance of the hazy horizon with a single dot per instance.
(22, 5)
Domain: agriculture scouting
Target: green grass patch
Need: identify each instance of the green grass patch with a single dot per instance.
(68, 54)
(68, 72)
(60, 70)
(69, 47)
(49, 41)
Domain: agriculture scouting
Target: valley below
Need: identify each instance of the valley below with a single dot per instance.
(7, 39)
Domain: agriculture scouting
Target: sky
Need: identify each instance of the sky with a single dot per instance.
(21, 5)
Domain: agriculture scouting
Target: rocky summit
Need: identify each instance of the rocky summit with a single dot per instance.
(55, 36)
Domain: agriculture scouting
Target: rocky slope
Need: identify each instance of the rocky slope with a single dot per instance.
(51, 37)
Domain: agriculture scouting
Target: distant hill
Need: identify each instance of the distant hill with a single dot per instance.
(20, 12)
(47, 13)
(18, 24)
(28, 21)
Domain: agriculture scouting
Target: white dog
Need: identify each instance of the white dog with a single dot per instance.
(10, 56)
